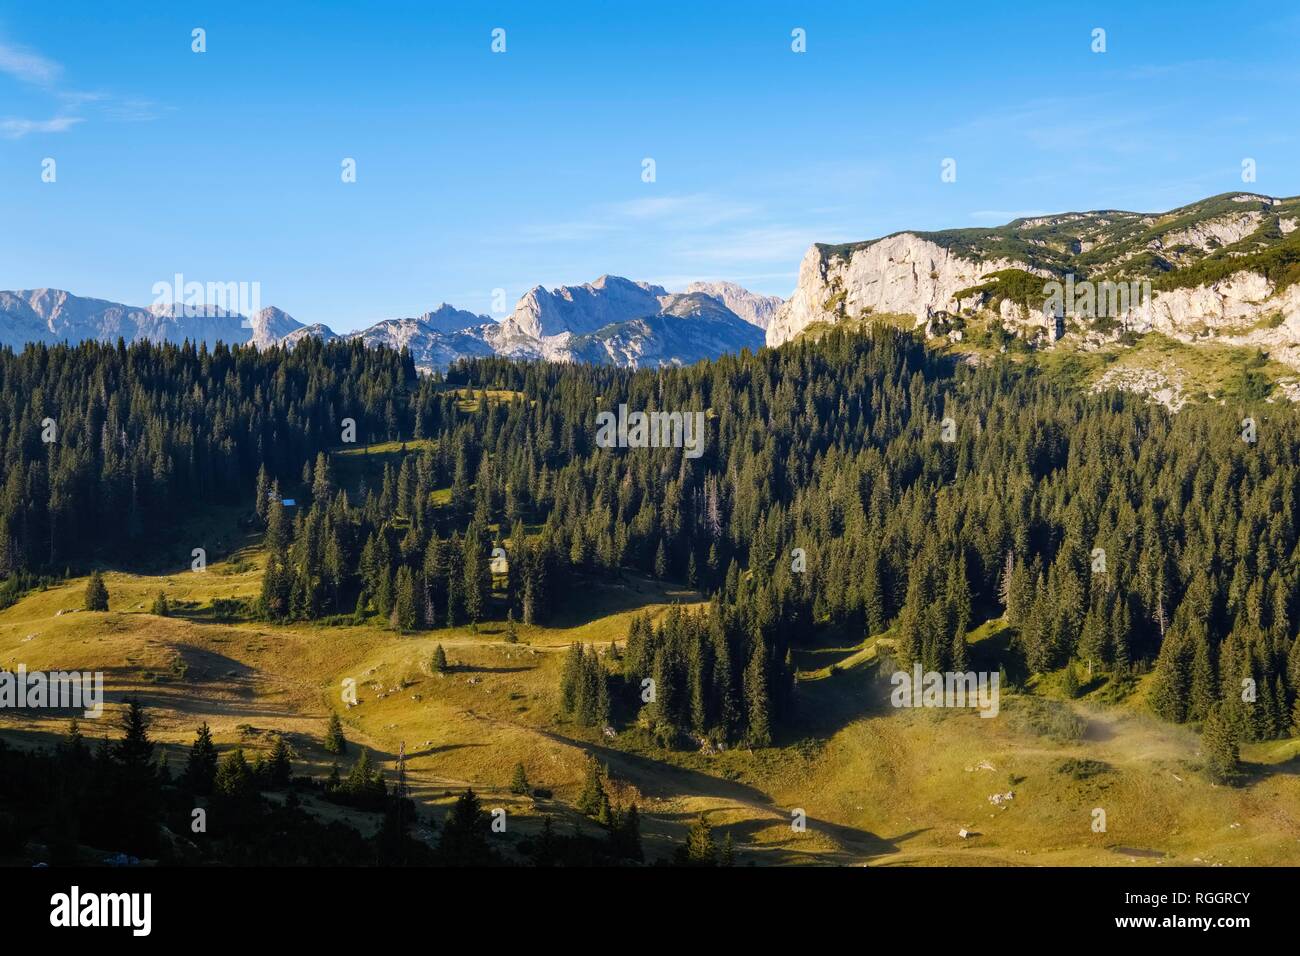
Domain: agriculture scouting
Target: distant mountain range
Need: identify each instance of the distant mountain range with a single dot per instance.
(612, 321)
(1224, 271)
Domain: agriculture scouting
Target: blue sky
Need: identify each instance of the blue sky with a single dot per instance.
(479, 171)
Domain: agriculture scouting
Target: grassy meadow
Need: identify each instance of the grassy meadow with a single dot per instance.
(877, 785)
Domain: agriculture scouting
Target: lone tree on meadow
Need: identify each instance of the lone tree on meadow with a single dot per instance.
(335, 742)
(439, 660)
(519, 782)
(700, 848)
(593, 801)
(1219, 741)
(96, 593)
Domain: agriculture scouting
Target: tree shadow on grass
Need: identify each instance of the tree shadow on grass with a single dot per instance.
(601, 597)
(851, 844)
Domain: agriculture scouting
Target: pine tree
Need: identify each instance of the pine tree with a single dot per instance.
(1069, 682)
(1005, 580)
(700, 848)
(201, 767)
(873, 595)
(519, 782)
(234, 781)
(661, 562)
(262, 494)
(728, 851)
(334, 740)
(630, 835)
(478, 574)
(571, 678)
(464, 837)
(439, 664)
(96, 593)
(1219, 743)
(160, 606)
(512, 632)
(279, 768)
(756, 697)
(404, 610)
(385, 593)
(1204, 690)
(593, 801)
(135, 749)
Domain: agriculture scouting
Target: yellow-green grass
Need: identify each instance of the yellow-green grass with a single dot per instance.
(468, 398)
(879, 785)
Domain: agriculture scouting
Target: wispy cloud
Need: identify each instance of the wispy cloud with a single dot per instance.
(18, 128)
(32, 69)
(697, 233)
(758, 244)
(26, 66)
(698, 210)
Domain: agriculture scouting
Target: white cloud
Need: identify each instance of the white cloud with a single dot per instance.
(27, 66)
(758, 244)
(35, 70)
(18, 128)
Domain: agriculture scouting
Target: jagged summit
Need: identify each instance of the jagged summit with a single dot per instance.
(563, 324)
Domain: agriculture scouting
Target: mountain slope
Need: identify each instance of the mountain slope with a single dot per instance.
(753, 308)
(1209, 248)
(612, 320)
(689, 328)
(584, 308)
(52, 315)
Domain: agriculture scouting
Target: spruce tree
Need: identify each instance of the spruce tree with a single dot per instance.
(728, 851)
(279, 769)
(1219, 744)
(96, 593)
(464, 837)
(700, 848)
(519, 782)
(756, 697)
(201, 766)
(1069, 682)
(335, 742)
(593, 801)
(404, 617)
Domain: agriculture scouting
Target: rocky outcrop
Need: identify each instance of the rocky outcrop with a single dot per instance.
(921, 274)
(900, 274)
(585, 308)
(271, 325)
